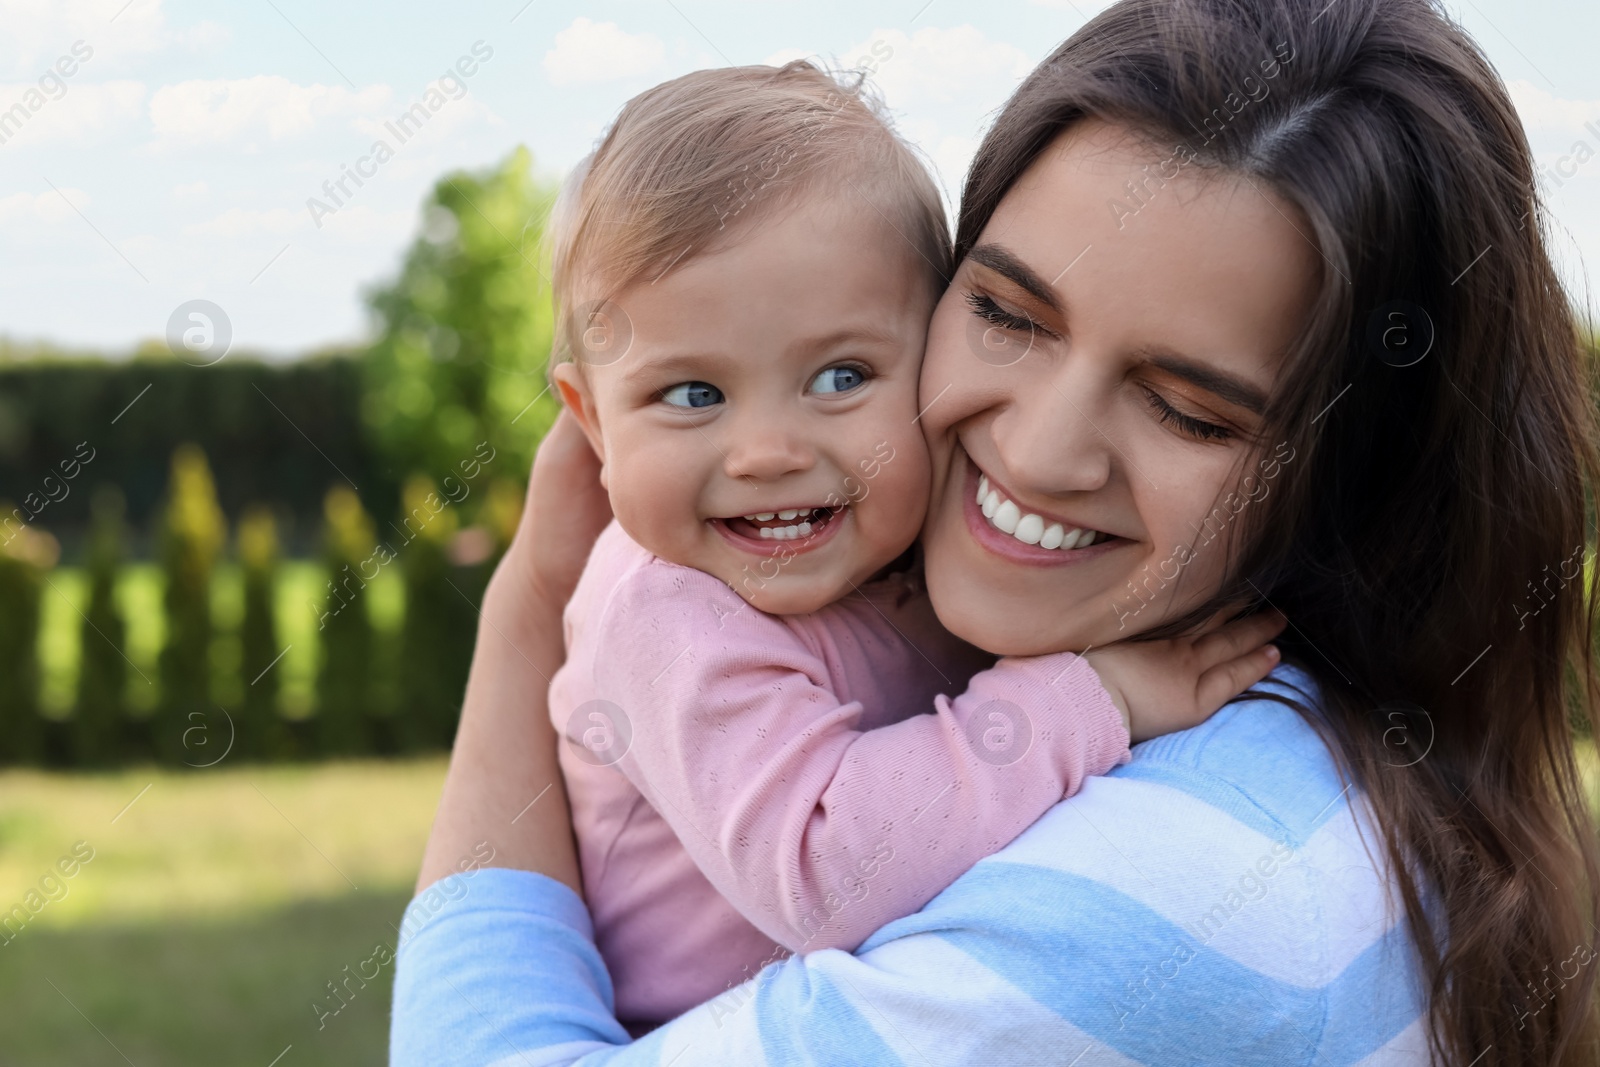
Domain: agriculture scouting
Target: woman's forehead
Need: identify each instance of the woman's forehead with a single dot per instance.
(1208, 264)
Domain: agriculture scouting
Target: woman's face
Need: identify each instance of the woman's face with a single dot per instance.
(1099, 364)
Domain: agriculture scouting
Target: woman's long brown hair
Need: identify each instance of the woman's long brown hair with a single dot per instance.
(1428, 549)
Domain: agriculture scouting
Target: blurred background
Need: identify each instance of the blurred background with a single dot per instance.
(273, 326)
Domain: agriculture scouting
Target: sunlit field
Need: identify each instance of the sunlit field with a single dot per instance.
(216, 908)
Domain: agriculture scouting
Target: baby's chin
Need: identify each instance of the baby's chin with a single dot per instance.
(794, 594)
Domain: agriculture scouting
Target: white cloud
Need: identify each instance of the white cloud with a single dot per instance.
(452, 114)
(1087, 8)
(239, 222)
(84, 108)
(1540, 110)
(588, 51)
(784, 55)
(37, 31)
(47, 207)
(190, 191)
(941, 66)
(225, 110)
(204, 36)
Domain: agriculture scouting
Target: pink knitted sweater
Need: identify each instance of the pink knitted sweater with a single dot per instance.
(744, 784)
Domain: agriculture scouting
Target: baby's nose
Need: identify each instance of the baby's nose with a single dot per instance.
(767, 452)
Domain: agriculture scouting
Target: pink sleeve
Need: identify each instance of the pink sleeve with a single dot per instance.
(817, 832)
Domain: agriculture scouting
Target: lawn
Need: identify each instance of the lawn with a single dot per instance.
(216, 908)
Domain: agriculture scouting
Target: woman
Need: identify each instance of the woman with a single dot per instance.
(1257, 286)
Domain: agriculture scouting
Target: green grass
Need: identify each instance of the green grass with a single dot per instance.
(217, 906)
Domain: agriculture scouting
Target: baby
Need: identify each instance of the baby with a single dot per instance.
(763, 756)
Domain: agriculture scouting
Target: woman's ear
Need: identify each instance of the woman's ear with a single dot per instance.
(579, 399)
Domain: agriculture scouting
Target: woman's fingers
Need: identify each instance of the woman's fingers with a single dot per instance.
(567, 507)
(1237, 638)
(1222, 683)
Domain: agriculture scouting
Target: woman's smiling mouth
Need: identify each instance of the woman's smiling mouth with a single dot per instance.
(1003, 527)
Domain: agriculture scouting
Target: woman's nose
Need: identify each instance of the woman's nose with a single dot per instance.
(1050, 440)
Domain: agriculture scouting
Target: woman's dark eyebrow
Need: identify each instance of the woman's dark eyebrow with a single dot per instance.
(1212, 381)
(1005, 263)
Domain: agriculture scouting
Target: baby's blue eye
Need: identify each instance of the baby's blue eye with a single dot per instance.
(692, 395)
(838, 380)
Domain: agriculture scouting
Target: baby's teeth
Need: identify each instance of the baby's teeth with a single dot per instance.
(766, 534)
(804, 528)
(990, 504)
(1052, 536)
(787, 515)
(765, 516)
(1030, 529)
(1006, 517)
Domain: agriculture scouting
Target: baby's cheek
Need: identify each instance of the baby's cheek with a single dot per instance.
(897, 473)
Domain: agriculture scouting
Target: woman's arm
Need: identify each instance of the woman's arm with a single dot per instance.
(1210, 902)
(817, 831)
(504, 758)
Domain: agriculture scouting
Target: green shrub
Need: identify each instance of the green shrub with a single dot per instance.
(100, 714)
(193, 534)
(25, 554)
(440, 621)
(344, 681)
(261, 732)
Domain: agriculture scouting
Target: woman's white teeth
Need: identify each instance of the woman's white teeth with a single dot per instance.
(787, 515)
(1028, 528)
(765, 516)
(785, 533)
(1006, 517)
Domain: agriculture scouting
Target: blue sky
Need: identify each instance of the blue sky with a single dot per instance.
(176, 160)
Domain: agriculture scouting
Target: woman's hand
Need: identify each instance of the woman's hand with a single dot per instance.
(565, 511)
(504, 786)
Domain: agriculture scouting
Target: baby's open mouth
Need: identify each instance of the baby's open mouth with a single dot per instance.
(791, 524)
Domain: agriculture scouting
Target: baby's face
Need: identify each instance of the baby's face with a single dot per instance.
(761, 424)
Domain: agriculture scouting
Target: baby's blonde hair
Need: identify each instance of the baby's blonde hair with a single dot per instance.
(687, 162)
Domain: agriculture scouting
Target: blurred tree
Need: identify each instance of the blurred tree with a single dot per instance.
(502, 510)
(440, 621)
(464, 332)
(25, 554)
(193, 534)
(345, 678)
(99, 726)
(261, 731)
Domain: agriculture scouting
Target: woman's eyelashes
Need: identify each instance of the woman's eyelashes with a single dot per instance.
(1197, 428)
(990, 311)
(691, 395)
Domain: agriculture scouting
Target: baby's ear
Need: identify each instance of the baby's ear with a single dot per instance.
(578, 397)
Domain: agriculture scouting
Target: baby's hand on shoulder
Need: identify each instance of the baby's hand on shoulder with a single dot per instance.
(1173, 684)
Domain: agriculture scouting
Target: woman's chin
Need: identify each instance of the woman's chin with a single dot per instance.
(1002, 624)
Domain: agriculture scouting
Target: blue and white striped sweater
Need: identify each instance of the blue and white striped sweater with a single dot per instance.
(1209, 902)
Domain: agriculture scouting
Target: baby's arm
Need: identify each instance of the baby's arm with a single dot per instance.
(817, 831)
